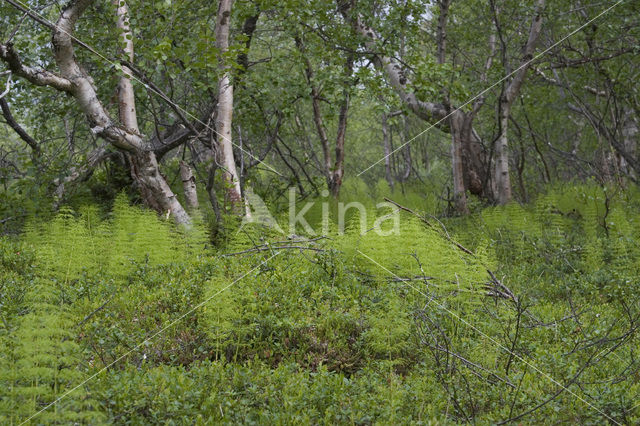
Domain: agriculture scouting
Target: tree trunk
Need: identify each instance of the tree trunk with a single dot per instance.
(441, 31)
(224, 115)
(126, 95)
(501, 177)
(336, 174)
(333, 169)
(508, 95)
(145, 172)
(189, 184)
(386, 142)
(438, 113)
(473, 157)
(459, 190)
(154, 188)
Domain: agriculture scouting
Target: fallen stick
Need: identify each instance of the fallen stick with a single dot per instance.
(422, 218)
(267, 247)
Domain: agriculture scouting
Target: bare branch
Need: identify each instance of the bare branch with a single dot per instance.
(39, 77)
(11, 121)
(559, 83)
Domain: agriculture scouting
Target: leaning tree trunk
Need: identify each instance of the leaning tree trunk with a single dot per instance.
(432, 112)
(475, 169)
(126, 95)
(154, 189)
(75, 81)
(466, 153)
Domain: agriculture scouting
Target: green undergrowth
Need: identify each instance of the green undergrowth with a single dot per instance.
(356, 328)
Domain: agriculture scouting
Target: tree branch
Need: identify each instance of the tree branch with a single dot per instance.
(8, 87)
(11, 121)
(398, 79)
(39, 77)
(513, 88)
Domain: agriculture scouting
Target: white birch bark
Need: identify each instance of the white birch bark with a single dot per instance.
(224, 116)
(126, 95)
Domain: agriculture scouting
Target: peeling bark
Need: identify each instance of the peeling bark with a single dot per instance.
(441, 32)
(144, 166)
(154, 189)
(126, 95)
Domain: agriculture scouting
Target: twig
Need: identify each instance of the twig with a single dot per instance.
(423, 219)
(590, 362)
(296, 239)
(7, 219)
(416, 278)
(539, 323)
(473, 364)
(94, 312)
(497, 289)
(267, 247)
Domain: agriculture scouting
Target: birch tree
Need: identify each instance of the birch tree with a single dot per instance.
(510, 90)
(224, 109)
(454, 121)
(73, 79)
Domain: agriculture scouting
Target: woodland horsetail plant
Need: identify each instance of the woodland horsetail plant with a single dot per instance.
(319, 212)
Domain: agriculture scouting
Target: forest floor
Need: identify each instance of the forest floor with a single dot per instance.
(516, 314)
